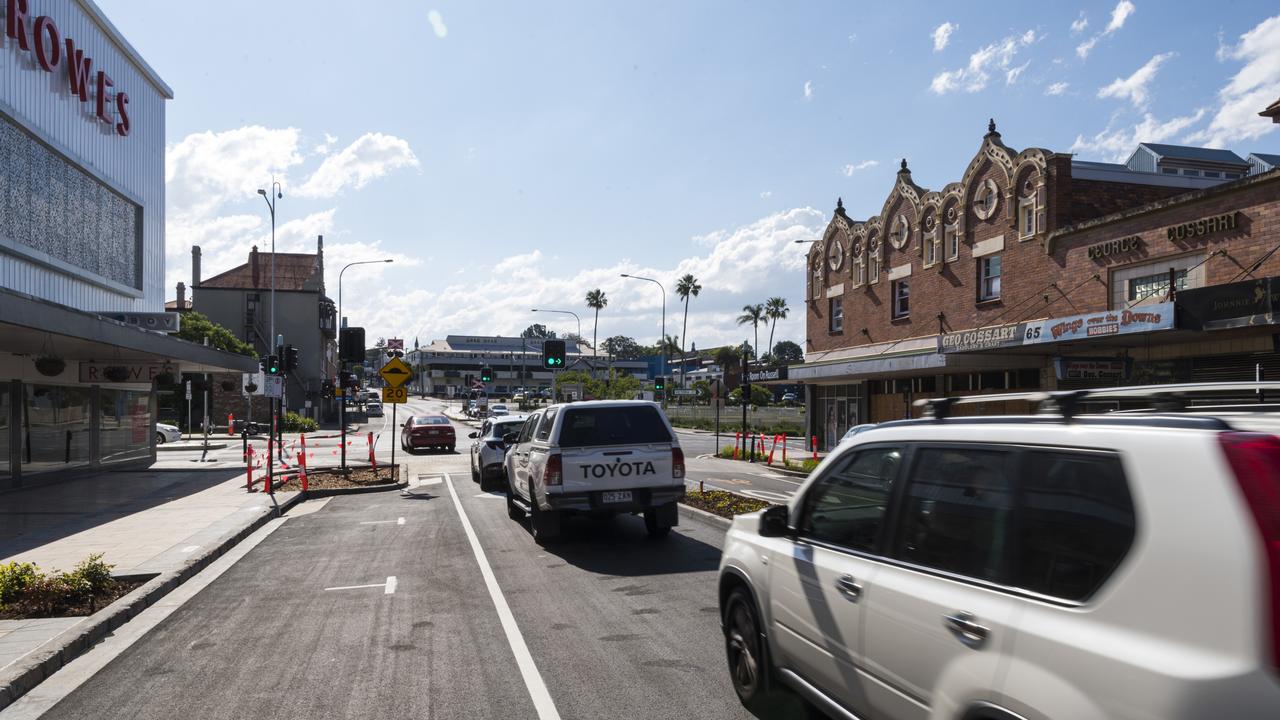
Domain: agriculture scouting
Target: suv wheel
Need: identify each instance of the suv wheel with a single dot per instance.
(745, 650)
(544, 524)
(475, 475)
(514, 511)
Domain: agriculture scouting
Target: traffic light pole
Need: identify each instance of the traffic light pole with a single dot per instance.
(342, 413)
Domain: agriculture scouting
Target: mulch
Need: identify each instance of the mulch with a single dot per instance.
(81, 608)
(333, 478)
(724, 504)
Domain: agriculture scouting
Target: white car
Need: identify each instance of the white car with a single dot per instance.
(373, 409)
(603, 457)
(167, 433)
(488, 449)
(1004, 568)
(498, 410)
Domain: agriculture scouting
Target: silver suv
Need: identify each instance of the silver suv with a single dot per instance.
(600, 458)
(1049, 566)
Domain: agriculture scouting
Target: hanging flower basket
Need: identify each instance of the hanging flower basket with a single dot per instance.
(228, 386)
(115, 373)
(50, 366)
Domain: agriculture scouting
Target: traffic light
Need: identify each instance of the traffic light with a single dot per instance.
(660, 383)
(553, 354)
(290, 358)
(271, 365)
(486, 374)
(347, 380)
(264, 362)
(351, 345)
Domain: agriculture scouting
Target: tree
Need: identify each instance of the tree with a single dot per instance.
(195, 327)
(776, 308)
(753, 315)
(623, 347)
(759, 396)
(686, 287)
(596, 301)
(787, 353)
(727, 356)
(670, 346)
(538, 330)
(575, 337)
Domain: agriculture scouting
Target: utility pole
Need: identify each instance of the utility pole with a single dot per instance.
(746, 396)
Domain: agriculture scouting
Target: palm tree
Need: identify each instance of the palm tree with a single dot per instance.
(753, 314)
(686, 287)
(776, 308)
(596, 301)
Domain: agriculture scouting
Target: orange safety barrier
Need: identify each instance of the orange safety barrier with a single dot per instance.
(302, 462)
(737, 438)
(267, 486)
(372, 460)
(814, 443)
(248, 469)
(231, 424)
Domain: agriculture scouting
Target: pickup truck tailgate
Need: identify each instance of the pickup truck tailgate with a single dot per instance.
(617, 467)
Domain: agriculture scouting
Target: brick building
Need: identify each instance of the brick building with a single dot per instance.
(1039, 271)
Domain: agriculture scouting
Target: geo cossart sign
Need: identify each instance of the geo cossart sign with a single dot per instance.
(56, 55)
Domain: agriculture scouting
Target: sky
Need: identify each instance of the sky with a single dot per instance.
(512, 155)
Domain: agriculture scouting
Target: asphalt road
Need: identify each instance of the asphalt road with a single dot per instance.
(309, 623)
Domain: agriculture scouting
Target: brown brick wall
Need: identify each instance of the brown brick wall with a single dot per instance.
(1089, 199)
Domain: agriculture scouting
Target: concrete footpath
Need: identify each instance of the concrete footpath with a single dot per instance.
(164, 523)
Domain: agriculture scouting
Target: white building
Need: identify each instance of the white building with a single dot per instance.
(82, 145)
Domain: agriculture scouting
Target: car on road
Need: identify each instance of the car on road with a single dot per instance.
(518, 396)
(602, 457)
(488, 449)
(787, 398)
(994, 568)
(498, 410)
(167, 433)
(856, 429)
(545, 394)
(427, 431)
(373, 409)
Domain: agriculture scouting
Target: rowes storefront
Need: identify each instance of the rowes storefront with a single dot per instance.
(83, 332)
(1026, 275)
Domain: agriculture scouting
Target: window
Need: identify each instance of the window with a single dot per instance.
(1190, 172)
(986, 199)
(951, 239)
(816, 283)
(930, 250)
(1233, 176)
(526, 432)
(989, 278)
(901, 298)
(1155, 285)
(1027, 217)
(876, 259)
(619, 425)
(958, 512)
(847, 507)
(901, 234)
(1212, 173)
(835, 315)
(1169, 171)
(544, 429)
(1075, 525)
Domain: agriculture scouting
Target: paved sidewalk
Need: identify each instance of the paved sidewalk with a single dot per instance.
(149, 521)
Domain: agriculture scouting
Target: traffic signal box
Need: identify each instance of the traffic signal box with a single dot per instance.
(486, 374)
(553, 354)
(290, 358)
(659, 387)
(270, 364)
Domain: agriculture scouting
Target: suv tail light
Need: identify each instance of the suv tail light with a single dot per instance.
(1255, 460)
(553, 474)
(677, 463)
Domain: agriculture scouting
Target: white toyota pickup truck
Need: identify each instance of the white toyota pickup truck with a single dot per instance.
(600, 457)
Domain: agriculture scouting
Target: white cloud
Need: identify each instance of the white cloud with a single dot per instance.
(326, 146)
(942, 35)
(1115, 144)
(1011, 76)
(1135, 87)
(1252, 88)
(1119, 14)
(808, 89)
(849, 170)
(217, 167)
(437, 23)
(1057, 88)
(371, 156)
(995, 57)
(766, 194)
(1079, 24)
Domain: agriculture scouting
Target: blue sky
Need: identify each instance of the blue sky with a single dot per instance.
(512, 155)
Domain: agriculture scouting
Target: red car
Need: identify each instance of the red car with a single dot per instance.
(427, 431)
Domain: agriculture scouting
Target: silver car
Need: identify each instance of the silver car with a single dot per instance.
(488, 449)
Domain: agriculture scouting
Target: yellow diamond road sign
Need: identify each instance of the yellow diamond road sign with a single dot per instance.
(396, 373)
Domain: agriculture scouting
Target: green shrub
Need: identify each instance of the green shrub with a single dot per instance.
(293, 422)
(15, 578)
(95, 574)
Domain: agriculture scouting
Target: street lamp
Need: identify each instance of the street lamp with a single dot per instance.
(566, 312)
(342, 365)
(271, 205)
(663, 344)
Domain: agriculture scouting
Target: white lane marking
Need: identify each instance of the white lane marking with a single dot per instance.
(391, 585)
(62, 683)
(774, 497)
(542, 701)
(399, 521)
(190, 548)
(492, 496)
(358, 587)
(428, 480)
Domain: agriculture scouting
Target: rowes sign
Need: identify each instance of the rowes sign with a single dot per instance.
(53, 54)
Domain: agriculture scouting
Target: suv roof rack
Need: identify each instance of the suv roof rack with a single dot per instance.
(1066, 403)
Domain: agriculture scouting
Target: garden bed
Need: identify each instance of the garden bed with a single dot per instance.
(27, 592)
(333, 478)
(722, 503)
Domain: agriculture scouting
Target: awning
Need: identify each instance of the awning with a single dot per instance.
(914, 364)
(29, 325)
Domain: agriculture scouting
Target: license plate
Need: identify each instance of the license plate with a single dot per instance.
(620, 496)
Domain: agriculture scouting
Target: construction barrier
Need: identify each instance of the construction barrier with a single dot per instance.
(372, 460)
(231, 424)
(268, 486)
(737, 439)
(784, 449)
(302, 462)
(814, 443)
(248, 469)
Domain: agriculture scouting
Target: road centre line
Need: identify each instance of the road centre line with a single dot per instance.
(390, 586)
(533, 682)
(398, 521)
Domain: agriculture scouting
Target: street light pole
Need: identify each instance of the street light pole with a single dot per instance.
(566, 312)
(342, 365)
(276, 403)
(663, 344)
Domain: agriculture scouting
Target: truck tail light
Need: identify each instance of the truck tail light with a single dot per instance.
(1255, 461)
(553, 474)
(677, 463)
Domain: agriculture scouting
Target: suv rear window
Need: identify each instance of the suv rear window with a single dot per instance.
(544, 430)
(623, 425)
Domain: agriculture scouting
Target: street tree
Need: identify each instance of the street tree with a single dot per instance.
(195, 327)
(538, 330)
(727, 356)
(787, 353)
(623, 347)
(575, 337)
(776, 308)
(753, 315)
(686, 287)
(596, 300)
